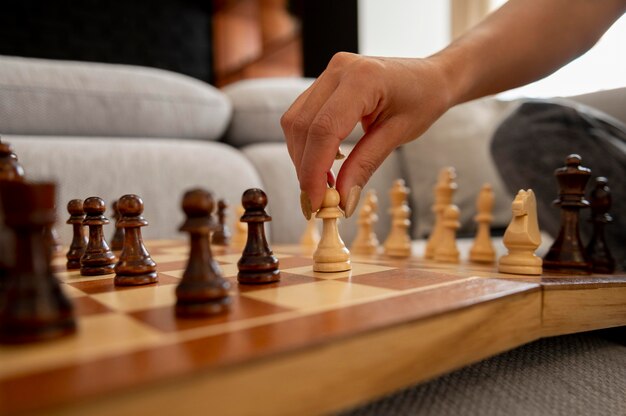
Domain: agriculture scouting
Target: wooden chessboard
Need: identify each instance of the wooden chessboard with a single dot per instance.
(311, 343)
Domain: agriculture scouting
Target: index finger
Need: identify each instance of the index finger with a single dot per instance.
(332, 124)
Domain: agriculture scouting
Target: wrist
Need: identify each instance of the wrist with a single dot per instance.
(455, 71)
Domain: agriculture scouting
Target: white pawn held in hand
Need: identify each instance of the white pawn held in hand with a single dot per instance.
(398, 243)
(331, 254)
(522, 237)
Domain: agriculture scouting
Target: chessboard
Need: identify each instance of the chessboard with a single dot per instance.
(311, 343)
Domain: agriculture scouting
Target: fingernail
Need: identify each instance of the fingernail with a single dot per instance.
(330, 179)
(353, 200)
(305, 204)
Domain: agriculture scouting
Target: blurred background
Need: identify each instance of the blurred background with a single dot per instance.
(223, 41)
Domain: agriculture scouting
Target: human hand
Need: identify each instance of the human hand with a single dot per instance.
(395, 99)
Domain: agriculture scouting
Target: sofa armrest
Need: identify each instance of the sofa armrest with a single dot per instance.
(46, 97)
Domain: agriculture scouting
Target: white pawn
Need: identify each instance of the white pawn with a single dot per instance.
(482, 250)
(446, 251)
(365, 242)
(331, 254)
(398, 242)
(240, 236)
(522, 237)
(311, 236)
(443, 191)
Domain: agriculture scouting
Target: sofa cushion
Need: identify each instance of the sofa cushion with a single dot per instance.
(460, 138)
(46, 97)
(258, 105)
(157, 170)
(609, 102)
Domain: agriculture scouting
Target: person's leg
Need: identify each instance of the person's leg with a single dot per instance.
(535, 140)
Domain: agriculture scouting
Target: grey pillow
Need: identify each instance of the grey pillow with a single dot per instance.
(460, 138)
(258, 105)
(160, 171)
(46, 97)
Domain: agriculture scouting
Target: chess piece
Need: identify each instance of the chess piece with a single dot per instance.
(10, 167)
(398, 242)
(135, 266)
(567, 253)
(32, 305)
(366, 243)
(311, 236)
(98, 258)
(446, 251)
(241, 230)
(79, 240)
(117, 241)
(522, 237)
(257, 263)
(443, 191)
(202, 291)
(10, 170)
(221, 236)
(597, 250)
(482, 250)
(371, 199)
(51, 237)
(331, 254)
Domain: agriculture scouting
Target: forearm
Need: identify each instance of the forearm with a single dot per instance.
(523, 41)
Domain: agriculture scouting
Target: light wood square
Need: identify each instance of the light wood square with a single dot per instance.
(72, 292)
(166, 258)
(357, 269)
(146, 297)
(177, 244)
(318, 295)
(174, 273)
(96, 336)
(59, 261)
(182, 251)
(228, 270)
(228, 258)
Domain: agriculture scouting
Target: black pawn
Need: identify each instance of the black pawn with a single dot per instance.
(117, 241)
(257, 263)
(98, 258)
(135, 266)
(567, 253)
(52, 239)
(32, 306)
(597, 249)
(79, 240)
(221, 236)
(10, 170)
(202, 291)
(10, 167)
